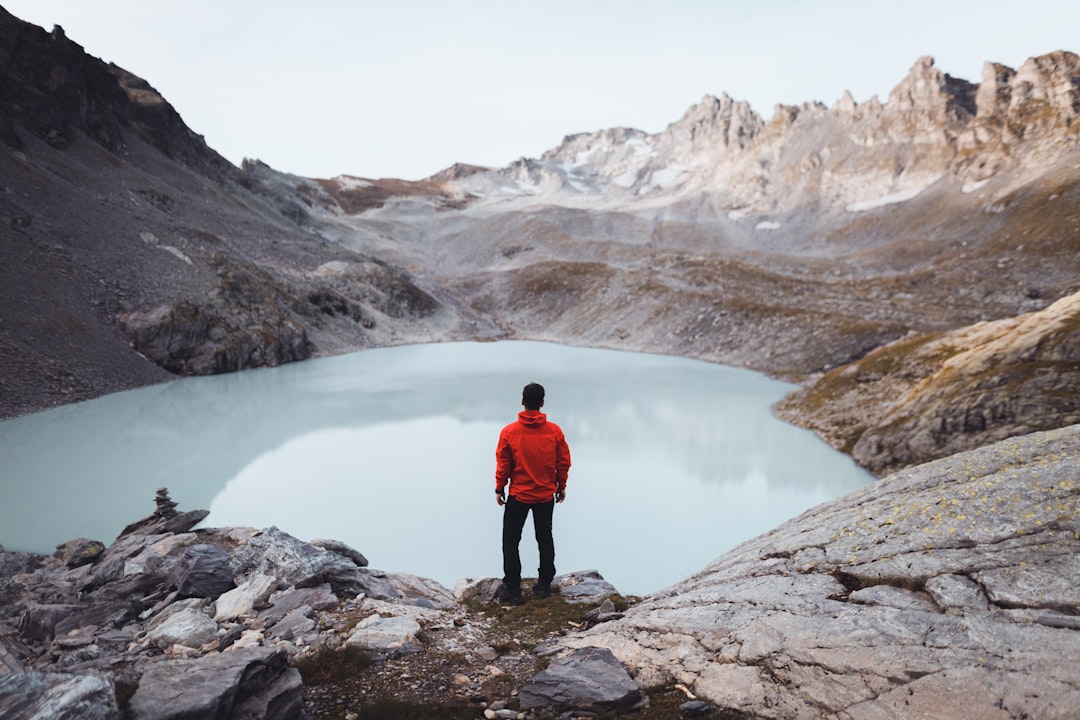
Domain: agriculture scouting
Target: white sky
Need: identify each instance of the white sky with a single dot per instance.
(405, 88)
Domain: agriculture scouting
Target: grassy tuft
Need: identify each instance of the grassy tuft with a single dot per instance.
(327, 665)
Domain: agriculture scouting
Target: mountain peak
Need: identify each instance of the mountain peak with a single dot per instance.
(934, 94)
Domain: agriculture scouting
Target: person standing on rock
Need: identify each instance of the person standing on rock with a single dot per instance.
(533, 461)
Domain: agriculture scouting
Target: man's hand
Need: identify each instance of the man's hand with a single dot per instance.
(500, 499)
(560, 496)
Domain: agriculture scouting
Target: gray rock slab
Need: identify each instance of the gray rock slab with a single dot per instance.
(242, 599)
(285, 601)
(295, 563)
(158, 525)
(105, 613)
(12, 652)
(946, 590)
(189, 627)
(336, 546)
(589, 679)
(16, 563)
(221, 685)
(482, 589)
(203, 571)
(956, 593)
(43, 696)
(142, 554)
(894, 597)
(391, 635)
(39, 621)
(296, 624)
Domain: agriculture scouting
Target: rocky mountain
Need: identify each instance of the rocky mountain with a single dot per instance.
(793, 245)
(131, 252)
(933, 395)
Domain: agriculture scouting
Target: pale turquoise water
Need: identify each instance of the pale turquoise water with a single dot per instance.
(392, 451)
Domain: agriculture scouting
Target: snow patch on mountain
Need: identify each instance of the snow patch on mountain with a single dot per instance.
(627, 179)
(663, 179)
(348, 182)
(892, 199)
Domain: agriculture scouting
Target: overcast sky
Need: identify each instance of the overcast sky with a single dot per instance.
(404, 88)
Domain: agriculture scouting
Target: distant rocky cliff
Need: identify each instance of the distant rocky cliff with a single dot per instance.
(795, 245)
(133, 253)
(932, 128)
(930, 396)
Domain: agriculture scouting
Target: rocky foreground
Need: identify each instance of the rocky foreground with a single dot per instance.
(171, 623)
(948, 590)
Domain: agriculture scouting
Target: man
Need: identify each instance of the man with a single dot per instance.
(533, 459)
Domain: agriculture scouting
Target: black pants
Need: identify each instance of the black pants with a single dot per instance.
(514, 513)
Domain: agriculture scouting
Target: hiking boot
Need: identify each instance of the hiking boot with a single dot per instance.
(509, 595)
(541, 590)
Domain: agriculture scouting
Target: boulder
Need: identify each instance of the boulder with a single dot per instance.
(40, 696)
(79, 551)
(589, 679)
(248, 683)
(142, 553)
(203, 571)
(584, 586)
(605, 612)
(39, 621)
(483, 590)
(17, 563)
(295, 626)
(417, 590)
(242, 599)
(285, 601)
(189, 627)
(390, 635)
(103, 613)
(294, 562)
(336, 546)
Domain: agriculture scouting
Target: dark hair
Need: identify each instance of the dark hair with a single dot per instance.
(532, 397)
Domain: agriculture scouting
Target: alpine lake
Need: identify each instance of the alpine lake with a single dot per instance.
(392, 451)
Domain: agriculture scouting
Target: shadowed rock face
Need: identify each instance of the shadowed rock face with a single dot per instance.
(933, 395)
(131, 252)
(948, 590)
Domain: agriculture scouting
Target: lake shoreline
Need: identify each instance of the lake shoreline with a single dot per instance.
(402, 440)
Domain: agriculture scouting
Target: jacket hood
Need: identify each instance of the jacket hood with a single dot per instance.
(532, 418)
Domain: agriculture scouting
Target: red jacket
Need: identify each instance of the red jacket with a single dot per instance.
(533, 457)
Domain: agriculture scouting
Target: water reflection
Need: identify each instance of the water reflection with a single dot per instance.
(392, 451)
